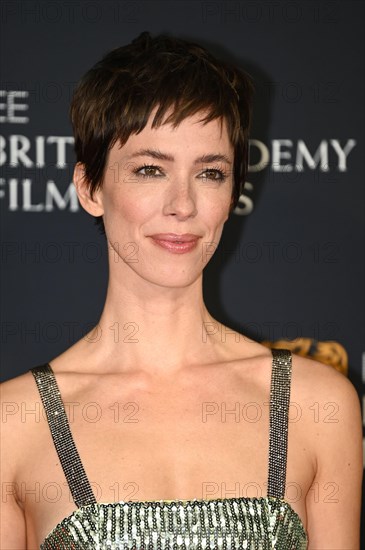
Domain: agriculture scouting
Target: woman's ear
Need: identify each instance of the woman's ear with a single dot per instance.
(92, 205)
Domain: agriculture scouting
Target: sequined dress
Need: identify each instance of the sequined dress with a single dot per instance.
(252, 523)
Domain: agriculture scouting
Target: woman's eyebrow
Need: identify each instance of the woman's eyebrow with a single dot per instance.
(159, 155)
(212, 158)
(154, 153)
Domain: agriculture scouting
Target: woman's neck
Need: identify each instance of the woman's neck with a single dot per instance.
(156, 328)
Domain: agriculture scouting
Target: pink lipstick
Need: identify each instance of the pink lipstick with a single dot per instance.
(177, 244)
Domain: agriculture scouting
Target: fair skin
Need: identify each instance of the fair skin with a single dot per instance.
(151, 352)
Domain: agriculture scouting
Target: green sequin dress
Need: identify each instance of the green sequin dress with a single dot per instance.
(260, 523)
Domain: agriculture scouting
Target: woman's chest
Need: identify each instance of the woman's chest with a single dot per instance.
(203, 440)
(169, 453)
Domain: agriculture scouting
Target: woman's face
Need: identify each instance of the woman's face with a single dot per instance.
(162, 187)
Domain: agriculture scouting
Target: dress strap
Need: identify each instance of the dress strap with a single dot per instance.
(77, 480)
(279, 416)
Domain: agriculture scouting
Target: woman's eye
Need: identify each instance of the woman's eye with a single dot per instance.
(148, 171)
(215, 175)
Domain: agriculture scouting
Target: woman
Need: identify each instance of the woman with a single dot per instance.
(158, 449)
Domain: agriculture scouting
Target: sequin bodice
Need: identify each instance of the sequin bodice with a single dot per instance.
(230, 524)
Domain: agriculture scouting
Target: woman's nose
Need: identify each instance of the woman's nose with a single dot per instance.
(180, 200)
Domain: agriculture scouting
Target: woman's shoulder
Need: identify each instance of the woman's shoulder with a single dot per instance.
(23, 386)
(17, 390)
(308, 375)
(20, 417)
(313, 383)
(325, 408)
(321, 380)
(20, 401)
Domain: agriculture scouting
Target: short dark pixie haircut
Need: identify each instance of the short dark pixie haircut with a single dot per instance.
(115, 98)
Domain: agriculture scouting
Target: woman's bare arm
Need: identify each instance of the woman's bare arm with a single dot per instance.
(334, 500)
(12, 520)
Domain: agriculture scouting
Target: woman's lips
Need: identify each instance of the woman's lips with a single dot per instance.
(177, 244)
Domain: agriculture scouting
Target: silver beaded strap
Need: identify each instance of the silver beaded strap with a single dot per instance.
(79, 485)
(279, 416)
